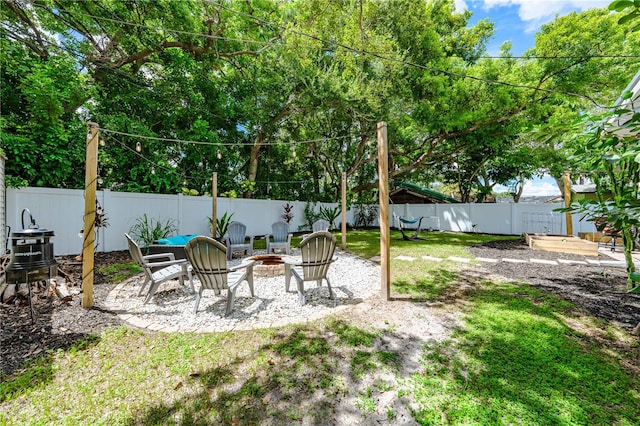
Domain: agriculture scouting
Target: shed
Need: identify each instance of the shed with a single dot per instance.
(409, 193)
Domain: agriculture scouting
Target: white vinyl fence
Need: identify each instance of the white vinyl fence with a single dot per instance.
(62, 210)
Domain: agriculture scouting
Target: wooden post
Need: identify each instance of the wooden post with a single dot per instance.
(90, 185)
(385, 237)
(214, 204)
(567, 202)
(344, 210)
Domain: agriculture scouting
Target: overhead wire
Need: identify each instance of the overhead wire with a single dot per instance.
(252, 41)
(182, 141)
(382, 56)
(419, 66)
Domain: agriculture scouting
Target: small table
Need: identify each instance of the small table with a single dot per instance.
(268, 265)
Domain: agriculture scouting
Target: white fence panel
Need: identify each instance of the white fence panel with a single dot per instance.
(491, 218)
(61, 210)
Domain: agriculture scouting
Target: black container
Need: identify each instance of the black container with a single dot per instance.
(31, 256)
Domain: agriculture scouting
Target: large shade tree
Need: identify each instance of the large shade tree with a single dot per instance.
(282, 97)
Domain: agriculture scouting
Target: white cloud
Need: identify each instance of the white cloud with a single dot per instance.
(537, 12)
(461, 5)
(540, 188)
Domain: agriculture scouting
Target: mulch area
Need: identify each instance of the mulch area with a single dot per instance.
(599, 290)
(59, 325)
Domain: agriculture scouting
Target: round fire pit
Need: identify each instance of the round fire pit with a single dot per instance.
(268, 265)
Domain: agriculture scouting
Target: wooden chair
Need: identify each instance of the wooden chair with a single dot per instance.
(158, 271)
(317, 254)
(208, 259)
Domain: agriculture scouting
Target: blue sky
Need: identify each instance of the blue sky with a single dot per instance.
(518, 21)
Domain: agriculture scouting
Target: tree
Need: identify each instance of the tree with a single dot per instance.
(611, 158)
(133, 64)
(632, 15)
(574, 64)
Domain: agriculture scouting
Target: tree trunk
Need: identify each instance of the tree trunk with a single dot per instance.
(253, 161)
(627, 240)
(519, 189)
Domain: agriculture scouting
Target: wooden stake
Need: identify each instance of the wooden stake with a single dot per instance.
(344, 210)
(567, 202)
(90, 185)
(385, 236)
(214, 204)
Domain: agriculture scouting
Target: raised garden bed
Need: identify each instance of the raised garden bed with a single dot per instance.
(562, 244)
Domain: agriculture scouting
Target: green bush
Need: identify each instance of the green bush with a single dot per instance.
(222, 224)
(330, 214)
(147, 229)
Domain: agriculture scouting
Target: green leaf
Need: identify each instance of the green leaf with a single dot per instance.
(620, 5)
(627, 94)
(629, 17)
(637, 159)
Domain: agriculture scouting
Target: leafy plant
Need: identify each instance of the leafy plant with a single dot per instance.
(310, 215)
(365, 214)
(288, 212)
(147, 229)
(610, 154)
(330, 214)
(222, 224)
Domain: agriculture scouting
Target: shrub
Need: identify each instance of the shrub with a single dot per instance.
(146, 230)
(222, 224)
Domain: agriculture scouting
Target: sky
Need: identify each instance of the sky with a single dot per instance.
(518, 21)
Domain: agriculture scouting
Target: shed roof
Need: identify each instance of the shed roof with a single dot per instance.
(422, 192)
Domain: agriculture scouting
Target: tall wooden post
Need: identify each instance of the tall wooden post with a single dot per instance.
(344, 210)
(214, 204)
(385, 233)
(90, 185)
(567, 202)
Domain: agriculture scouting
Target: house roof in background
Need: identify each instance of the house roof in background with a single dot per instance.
(584, 189)
(422, 192)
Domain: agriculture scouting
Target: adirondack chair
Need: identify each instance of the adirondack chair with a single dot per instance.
(208, 259)
(156, 270)
(317, 254)
(236, 240)
(279, 238)
(318, 225)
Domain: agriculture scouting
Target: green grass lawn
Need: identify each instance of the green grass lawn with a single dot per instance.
(522, 357)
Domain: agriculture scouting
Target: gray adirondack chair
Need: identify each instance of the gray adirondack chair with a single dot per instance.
(156, 270)
(236, 240)
(208, 259)
(318, 225)
(279, 238)
(317, 254)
